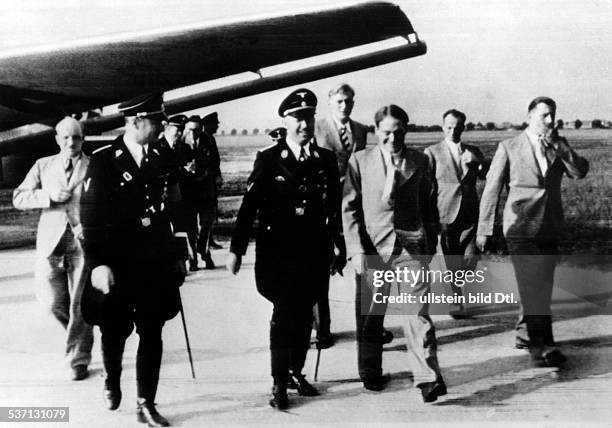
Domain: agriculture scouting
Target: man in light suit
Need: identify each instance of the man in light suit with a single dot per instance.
(389, 221)
(455, 168)
(532, 165)
(54, 184)
(343, 136)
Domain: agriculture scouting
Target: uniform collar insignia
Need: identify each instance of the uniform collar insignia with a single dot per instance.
(156, 152)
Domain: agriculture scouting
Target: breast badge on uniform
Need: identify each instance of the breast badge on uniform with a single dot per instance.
(316, 154)
(118, 153)
(279, 178)
(284, 154)
(146, 221)
(127, 176)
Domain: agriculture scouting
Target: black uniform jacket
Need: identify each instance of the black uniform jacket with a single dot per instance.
(297, 205)
(126, 227)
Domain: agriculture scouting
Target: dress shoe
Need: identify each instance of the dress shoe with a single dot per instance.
(458, 312)
(112, 397)
(549, 358)
(303, 387)
(387, 337)
(146, 413)
(214, 245)
(279, 398)
(80, 372)
(208, 261)
(193, 265)
(430, 391)
(325, 341)
(374, 383)
(521, 343)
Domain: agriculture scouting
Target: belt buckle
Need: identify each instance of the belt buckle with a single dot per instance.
(146, 221)
(299, 210)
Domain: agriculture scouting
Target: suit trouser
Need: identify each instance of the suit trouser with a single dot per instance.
(206, 218)
(417, 326)
(458, 246)
(60, 279)
(534, 261)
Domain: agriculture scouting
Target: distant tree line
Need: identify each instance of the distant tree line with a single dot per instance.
(470, 126)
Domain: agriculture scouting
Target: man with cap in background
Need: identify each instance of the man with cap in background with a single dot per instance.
(199, 189)
(343, 136)
(208, 143)
(55, 184)
(128, 243)
(294, 190)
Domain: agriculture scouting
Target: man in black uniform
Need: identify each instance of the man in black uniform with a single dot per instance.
(210, 126)
(128, 244)
(294, 187)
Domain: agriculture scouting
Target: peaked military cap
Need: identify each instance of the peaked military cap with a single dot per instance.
(149, 105)
(179, 120)
(211, 118)
(194, 118)
(300, 99)
(277, 134)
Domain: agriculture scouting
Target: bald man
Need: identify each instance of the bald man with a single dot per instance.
(54, 184)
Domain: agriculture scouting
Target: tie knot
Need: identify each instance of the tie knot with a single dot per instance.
(544, 141)
(302, 154)
(68, 165)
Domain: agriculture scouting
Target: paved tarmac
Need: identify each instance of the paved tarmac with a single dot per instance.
(490, 382)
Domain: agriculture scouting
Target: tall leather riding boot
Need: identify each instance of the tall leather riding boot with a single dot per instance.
(112, 355)
(280, 352)
(148, 362)
(299, 349)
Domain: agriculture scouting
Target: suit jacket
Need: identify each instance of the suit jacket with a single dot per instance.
(455, 192)
(534, 199)
(126, 226)
(370, 224)
(46, 174)
(297, 206)
(327, 136)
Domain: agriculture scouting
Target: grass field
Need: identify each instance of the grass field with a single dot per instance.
(587, 202)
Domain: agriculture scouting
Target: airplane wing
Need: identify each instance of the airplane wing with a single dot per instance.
(50, 81)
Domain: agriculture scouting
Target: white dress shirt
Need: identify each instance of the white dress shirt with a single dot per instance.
(296, 148)
(136, 151)
(538, 151)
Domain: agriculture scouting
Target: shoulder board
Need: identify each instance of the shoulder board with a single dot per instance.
(268, 148)
(99, 149)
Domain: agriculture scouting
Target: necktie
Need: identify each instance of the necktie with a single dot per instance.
(546, 151)
(302, 157)
(388, 190)
(458, 158)
(344, 138)
(69, 168)
(144, 158)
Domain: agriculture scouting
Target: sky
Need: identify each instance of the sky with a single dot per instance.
(488, 58)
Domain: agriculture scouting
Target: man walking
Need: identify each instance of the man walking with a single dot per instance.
(55, 184)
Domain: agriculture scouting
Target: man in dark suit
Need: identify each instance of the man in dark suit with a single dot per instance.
(455, 168)
(294, 190)
(343, 136)
(210, 126)
(128, 244)
(390, 222)
(532, 165)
